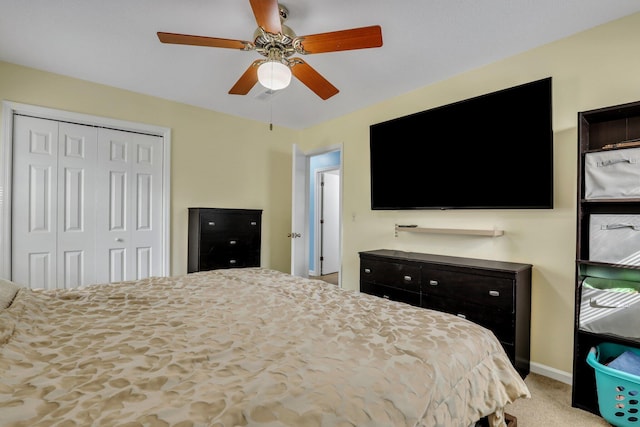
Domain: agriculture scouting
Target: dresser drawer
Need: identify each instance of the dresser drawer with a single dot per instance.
(228, 241)
(391, 274)
(227, 247)
(391, 293)
(240, 224)
(500, 322)
(482, 290)
(229, 259)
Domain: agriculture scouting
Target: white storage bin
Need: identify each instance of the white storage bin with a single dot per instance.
(612, 174)
(615, 239)
(610, 307)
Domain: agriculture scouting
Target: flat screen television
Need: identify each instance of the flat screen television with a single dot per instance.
(493, 151)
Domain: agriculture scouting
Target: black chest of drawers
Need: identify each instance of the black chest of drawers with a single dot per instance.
(494, 294)
(223, 238)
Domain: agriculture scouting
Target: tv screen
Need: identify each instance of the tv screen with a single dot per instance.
(494, 151)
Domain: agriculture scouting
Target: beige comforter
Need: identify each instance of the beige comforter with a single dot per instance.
(243, 347)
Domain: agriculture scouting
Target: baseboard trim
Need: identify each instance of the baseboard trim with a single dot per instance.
(553, 373)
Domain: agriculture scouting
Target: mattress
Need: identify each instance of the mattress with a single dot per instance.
(244, 347)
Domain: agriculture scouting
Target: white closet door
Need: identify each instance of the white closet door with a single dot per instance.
(129, 209)
(35, 153)
(87, 204)
(77, 156)
(53, 218)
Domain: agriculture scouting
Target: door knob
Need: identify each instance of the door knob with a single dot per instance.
(293, 235)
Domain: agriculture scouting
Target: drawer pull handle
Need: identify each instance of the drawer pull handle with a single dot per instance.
(212, 223)
(386, 296)
(407, 278)
(433, 282)
(232, 242)
(253, 223)
(232, 261)
(367, 270)
(462, 316)
(494, 293)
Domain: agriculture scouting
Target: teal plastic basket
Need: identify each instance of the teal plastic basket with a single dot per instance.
(618, 392)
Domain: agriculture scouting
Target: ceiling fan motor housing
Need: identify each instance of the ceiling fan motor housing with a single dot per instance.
(266, 42)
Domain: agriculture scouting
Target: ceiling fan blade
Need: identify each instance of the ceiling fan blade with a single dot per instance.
(312, 79)
(267, 13)
(248, 80)
(202, 41)
(355, 38)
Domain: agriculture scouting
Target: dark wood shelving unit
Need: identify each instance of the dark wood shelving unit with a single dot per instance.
(598, 130)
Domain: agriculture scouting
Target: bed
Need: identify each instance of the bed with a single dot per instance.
(242, 347)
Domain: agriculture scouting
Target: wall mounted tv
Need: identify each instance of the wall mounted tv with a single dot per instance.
(494, 151)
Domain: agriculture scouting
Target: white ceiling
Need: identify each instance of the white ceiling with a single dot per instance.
(114, 42)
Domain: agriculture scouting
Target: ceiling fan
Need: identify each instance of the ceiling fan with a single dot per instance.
(277, 43)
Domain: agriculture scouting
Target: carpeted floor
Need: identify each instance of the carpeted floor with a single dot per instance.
(331, 278)
(550, 406)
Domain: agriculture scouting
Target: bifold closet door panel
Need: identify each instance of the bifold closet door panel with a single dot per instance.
(53, 216)
(76, 204)
(128, 237)
(34, 202)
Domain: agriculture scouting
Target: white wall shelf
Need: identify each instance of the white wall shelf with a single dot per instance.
(469, 232)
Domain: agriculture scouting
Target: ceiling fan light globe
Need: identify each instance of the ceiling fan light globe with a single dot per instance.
(274, 75)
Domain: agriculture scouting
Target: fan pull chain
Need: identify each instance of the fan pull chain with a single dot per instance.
(271, 114)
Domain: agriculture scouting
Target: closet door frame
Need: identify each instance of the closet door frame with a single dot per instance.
(9, 109)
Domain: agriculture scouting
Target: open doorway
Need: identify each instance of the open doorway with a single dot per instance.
(316, 222)
(324, 213)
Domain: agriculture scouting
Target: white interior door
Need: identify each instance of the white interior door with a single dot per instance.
(129, 210)
(53, 211)
(88, 204)
(299, 214)
(76, 205)
(50, 199)
(330, 223)
(35, 212)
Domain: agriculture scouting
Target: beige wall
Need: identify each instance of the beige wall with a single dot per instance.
(219, 160)
(594, 69)
(216, 160)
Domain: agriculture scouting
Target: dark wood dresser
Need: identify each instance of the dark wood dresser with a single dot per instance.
(223, 238)
(494, 294)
